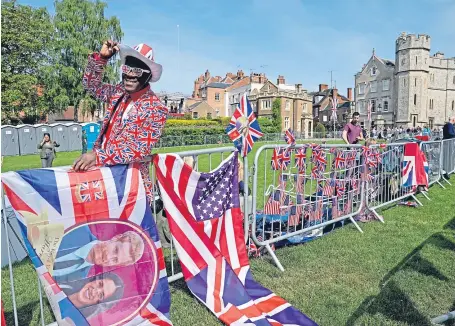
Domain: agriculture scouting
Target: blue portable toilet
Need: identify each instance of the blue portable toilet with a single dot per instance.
(92, 129)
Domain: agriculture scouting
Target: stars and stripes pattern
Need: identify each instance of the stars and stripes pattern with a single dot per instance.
(120, 196)
(244, 128)
(212, 252)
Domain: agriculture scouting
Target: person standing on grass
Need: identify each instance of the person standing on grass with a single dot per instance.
(47, 153)
(84, 141)
(135, 116)
(352, 132)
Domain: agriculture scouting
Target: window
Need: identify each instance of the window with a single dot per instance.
(217, 96)
(385, 84)
(453, 105)
(195, 115)
(453, 79)
(373, 106)
(431, 104)
(373, 71)
(374, 86)
(415, 81)
(361, 88)
(209, 115)
(286, 122)
(386, 106)
(414, 121)
(217, 112)
(430, 123)
(415, 99)
(288, 105)
(416, 60)
(404, 81)
(305, 107)
(324, 118)
(266, 104)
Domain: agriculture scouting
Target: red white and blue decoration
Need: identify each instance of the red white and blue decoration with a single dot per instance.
(289, 137)
(81, 229)
(243, 128)
(415, 167)
(209, 241)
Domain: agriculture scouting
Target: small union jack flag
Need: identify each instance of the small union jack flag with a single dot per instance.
(300, 158)
(340, 188)
(334, 107)
(316, 173)
(243, 128)
(286, 159)
(90, 190)
(289, 137)
(277, 159)
(340, 160)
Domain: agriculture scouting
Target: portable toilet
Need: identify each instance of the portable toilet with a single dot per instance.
(27, 139)
(74, 134)
(59, 134)
(41, 129)
(10, 141)
(92, 129)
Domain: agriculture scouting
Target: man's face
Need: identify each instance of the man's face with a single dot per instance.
(113, 253)
(355, 119)
(132, 83)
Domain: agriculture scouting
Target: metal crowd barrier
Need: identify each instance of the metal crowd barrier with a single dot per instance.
(301, 205)
(203, 160)
(448, 161)
(433, 153)
(385, 184)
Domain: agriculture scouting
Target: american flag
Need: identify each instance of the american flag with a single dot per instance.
(334, 107)
(243, 128)
(300, 158)
(289, 137)
(272, 206)
(277, 159)
(98, 202)
(335, 212)
(340, 188)
(212, 251)
(328, 188)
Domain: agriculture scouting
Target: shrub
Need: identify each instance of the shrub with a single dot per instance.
(320, 129)
(174, 123)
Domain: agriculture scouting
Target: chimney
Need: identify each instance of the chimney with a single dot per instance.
(298, 88)
(350, 93)
(240, 74)
(280, 80)
(207, 74)
(323, 87)
(334, 92)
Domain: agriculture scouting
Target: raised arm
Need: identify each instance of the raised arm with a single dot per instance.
(93, 74)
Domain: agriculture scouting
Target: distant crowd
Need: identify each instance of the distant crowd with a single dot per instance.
(400, 132)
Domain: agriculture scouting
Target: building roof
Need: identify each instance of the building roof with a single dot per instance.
(194, 105)
(218, 85)
(326, 93)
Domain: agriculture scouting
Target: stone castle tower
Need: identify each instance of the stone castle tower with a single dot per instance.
(412, 73)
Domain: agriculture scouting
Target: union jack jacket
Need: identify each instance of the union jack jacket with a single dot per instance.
(132, 137)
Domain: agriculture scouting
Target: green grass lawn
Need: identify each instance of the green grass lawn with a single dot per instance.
(398, 273)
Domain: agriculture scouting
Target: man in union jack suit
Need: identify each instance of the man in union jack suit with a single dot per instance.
(135, 116)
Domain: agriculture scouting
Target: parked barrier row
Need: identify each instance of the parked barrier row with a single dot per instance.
(302, 202)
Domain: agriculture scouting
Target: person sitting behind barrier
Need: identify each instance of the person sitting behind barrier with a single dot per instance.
(95, 294)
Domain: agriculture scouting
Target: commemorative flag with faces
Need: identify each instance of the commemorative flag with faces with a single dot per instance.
(65, 216)
(212, 250)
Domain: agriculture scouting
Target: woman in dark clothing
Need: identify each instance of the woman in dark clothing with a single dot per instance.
(47, 148)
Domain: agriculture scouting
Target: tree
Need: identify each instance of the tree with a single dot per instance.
(320, 130)
(26, 32)
(80, 29)
(276, 114)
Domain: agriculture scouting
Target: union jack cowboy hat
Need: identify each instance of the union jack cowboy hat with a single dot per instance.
(144, 53)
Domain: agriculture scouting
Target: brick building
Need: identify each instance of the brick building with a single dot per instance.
(296, 105)
(322, 105)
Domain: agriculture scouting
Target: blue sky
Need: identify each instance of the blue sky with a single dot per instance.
(302, 40)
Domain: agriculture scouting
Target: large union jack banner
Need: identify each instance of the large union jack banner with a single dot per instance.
(243, 128)
(203, 210)
(94, 244)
